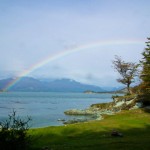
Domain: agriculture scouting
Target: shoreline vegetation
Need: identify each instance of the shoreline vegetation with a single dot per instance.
(98, 111)
(123, 91)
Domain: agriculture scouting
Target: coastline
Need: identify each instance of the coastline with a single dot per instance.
(100, 110)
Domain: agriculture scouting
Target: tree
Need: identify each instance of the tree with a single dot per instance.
(144, 96)
(127, 70)
(13, 133)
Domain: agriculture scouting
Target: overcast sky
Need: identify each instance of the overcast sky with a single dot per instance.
(32, 30)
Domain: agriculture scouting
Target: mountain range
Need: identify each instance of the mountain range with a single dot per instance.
(29, 84)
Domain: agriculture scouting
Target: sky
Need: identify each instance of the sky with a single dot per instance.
(83, 35)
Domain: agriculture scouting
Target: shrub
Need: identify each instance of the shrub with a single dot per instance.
(13, 133)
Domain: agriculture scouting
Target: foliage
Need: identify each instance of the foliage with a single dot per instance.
(13, 133)
(127, 70)
(136, 89)
(144, 95)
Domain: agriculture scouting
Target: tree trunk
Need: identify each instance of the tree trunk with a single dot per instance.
(128, 88)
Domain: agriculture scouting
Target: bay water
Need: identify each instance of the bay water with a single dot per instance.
(46, 108)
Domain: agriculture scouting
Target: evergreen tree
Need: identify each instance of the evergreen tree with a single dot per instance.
(145, 75)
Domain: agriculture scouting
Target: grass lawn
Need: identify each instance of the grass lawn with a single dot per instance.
(96, 135)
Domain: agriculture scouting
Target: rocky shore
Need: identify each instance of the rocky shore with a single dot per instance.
(97, 111)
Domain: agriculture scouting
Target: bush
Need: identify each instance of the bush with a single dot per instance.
(144, 95)
(13, 133)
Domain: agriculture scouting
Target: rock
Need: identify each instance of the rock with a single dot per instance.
(107, 112)
(45, 148)
(129, 102)
(118, 104)
(60, 119)
(116, 134)
(79, 112)
(97, 110)
(99, 117)
(138, 105)
(103, 106)
(75, 121)
(147, 107)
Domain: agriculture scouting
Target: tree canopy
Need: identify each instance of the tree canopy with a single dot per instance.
(127, 70)
(145, 74)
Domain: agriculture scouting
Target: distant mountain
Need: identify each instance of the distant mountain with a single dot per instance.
(71, 86)
(25, 84)
(28, 84)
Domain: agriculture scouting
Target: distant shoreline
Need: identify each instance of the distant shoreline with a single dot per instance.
(107, 92)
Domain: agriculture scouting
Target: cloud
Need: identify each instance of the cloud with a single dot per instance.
(31, 31)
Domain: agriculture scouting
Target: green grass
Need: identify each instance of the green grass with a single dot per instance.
(95, 135)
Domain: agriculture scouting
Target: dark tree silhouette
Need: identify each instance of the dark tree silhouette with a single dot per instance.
(127, 70)
(13, 133)
(144, 96)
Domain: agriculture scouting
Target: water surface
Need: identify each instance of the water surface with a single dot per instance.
(45, 108)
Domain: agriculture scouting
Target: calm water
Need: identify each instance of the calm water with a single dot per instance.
(45, 108)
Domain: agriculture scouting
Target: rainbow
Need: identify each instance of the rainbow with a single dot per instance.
(66, 52)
